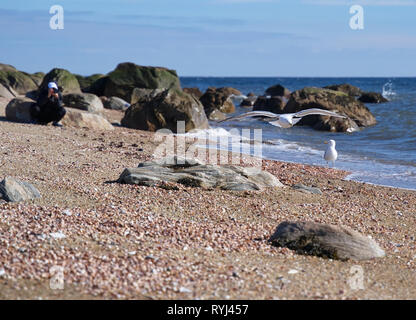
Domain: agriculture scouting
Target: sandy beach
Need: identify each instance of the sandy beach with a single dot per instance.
(137, 242)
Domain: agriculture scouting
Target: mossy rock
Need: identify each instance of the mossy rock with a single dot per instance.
(97, 87)
(37, 77)
(20, 82)
(127, 76)
(86, 82)
(315, 90)
(156, 111)
(65, 80)
(346, 88)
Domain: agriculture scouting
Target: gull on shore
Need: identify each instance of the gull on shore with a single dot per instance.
(285, 120)
(330, 154)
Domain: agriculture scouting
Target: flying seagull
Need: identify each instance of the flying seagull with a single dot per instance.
(330, 154)
(285, 120)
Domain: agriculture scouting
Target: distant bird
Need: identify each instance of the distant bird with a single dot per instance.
(330, 153)
(285, 120)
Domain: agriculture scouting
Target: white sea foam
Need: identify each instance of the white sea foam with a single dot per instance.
(204, 133)
(237, 99)
(388, 90)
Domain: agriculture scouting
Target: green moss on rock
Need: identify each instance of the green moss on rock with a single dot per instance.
(63, 78)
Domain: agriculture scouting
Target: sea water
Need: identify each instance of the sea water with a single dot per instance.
(383, 154)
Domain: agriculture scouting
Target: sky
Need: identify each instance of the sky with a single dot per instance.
(270, 38)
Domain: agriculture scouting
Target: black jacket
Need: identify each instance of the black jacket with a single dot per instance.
(49, 102)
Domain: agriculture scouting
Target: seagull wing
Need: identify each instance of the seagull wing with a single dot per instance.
(322, 112)
(253, 114)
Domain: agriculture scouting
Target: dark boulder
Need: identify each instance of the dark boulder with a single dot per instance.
(278, 90)
(127, 76)
(311, 97)
(19, 110)
(86, 82)
(346, 88)
(217, 99)
(97, 87)
(83, 101)
(194, 91)
(372, 97)
(247, 103)
(274, 104)
(164, 110)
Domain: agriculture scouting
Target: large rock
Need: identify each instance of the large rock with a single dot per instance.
(311, 97)
(80, 119)
(7, 93)
(65, 80)
(372, 97)
(274, 104)
(326, 241)
(13, 190)
(86, 82)
(194, 91)
(278, 90)
(193, 173)
(13, 79)
(229, 91)
(127, 76)
(37, 77)
(217, 99)
(115, 103)
(163, 110)
(97, 87)
(346, 88)
(83, 101)
(142, 93)
(18, 110)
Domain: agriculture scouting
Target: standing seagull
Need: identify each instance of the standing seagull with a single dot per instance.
(330, 153)
(285, 120)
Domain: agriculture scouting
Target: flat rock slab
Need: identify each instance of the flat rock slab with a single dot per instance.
(327, 241)
(192, 173)
(13, 190)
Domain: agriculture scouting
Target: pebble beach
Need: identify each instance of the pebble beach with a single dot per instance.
(117, 241)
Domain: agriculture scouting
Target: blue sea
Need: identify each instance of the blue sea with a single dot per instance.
(384, 154)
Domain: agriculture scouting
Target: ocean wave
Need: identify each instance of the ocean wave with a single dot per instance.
(388, 90)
